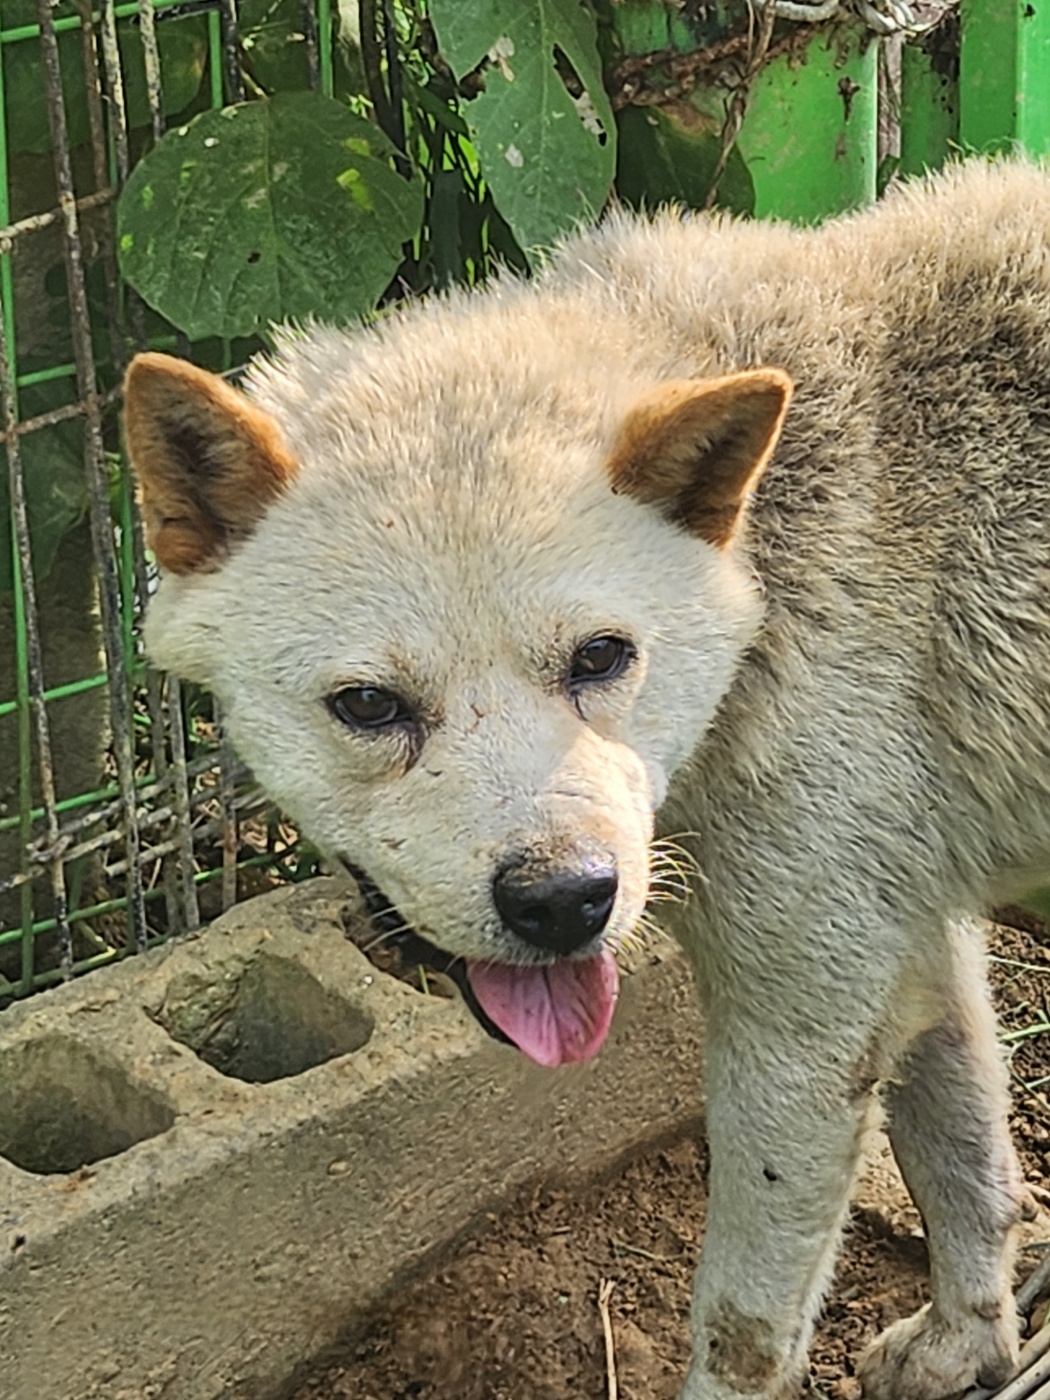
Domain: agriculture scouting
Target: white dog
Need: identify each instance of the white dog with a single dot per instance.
(491, 588)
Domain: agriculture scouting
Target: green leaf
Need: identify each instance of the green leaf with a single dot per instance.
(671, 156)
(547, 157)
(183, 46)
(270, 210)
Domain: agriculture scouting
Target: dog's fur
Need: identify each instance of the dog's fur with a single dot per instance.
(839, 702)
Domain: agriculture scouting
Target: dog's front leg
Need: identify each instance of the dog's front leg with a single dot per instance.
(948, 1103)
(785, 1119)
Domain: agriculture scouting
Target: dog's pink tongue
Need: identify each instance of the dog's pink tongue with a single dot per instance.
(556, 1015)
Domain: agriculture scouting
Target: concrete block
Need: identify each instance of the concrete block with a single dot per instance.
(216, 1157)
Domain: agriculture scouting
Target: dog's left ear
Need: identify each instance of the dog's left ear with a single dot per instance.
(209, 461)
(695, 448)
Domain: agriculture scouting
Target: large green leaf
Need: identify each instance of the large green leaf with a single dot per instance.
(547, 156)
(283, 208)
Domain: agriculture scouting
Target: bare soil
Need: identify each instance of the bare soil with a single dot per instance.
(512, 1312)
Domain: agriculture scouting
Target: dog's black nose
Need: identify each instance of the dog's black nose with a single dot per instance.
(558, 910)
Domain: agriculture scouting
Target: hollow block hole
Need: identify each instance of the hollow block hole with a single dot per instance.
(270, 1021)
(62, 1107)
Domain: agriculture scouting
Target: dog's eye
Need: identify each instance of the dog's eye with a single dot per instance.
(600, 659)
(368, 707)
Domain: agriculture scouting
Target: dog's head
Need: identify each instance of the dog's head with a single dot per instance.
(466, 609)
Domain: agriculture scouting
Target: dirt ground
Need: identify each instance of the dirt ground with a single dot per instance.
(513, 1312)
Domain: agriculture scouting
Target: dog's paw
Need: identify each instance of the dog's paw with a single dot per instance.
(700, 1384)
(925, 1357)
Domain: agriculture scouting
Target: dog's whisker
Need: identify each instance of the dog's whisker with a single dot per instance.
(668, 883)
(384, 936)
(680, 860)
(672, 848)
(675, 857)
(670, 875)
(673, 841)
(384, 933)
(667, 880)
(644, 933)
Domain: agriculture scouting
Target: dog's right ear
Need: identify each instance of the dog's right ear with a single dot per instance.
(209, 461)
(695, 448)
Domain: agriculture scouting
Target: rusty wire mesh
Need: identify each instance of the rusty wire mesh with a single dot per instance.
(121, 810)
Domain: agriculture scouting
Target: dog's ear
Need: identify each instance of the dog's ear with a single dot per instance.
(209, 461)
(696, 447)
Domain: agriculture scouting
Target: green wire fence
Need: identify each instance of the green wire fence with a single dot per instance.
(123, 818)
(107, 797)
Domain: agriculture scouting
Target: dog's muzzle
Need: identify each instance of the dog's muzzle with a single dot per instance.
(557, 1010)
